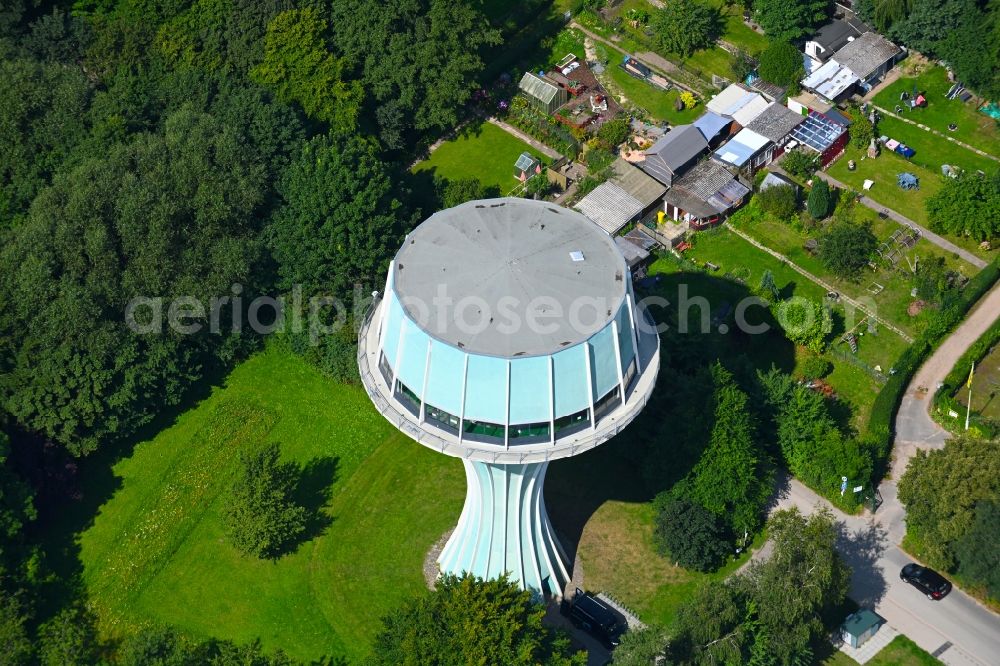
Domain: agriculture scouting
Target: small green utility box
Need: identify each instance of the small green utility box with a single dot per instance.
(860, 626)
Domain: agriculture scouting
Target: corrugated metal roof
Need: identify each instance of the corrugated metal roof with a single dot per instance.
(610, 207)
(741, 148)
(710, 124)
(866, 54)
(705, 179)
(749, 111)
(730, 100)
(775, 122)
(830, 80)
(638, 184)
(668, 155)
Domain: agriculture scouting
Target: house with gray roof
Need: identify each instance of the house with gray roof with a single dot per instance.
(542, 93)
(626, 196)
(868, 57)
(832, 37)
(704, 195)
(776, 122)
(669, 157)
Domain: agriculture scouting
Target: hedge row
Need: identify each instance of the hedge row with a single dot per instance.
(881, 422)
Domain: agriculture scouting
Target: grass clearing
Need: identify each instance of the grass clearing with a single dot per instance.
(884, 171)
(483, 151)
(892, 302)
(901, 651)
(932, 150)
(157, 552)
(985, 387)
(658, 104)
(974, 128)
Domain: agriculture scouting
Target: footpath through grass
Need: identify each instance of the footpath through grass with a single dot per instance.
(157, 552)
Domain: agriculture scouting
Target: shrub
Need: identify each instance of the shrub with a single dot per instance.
(688, 100)
(614, 132)
(820, 201)
(690, 534)
(804, 321)
(800, 163)
(815, 367)
(261, 515)
(780, 201)
(846, 248)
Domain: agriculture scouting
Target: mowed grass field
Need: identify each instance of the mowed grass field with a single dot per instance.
(483, 151)
(900, 652)
(974, 128)
(157, 551)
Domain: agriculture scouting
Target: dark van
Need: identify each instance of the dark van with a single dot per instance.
(592, 615)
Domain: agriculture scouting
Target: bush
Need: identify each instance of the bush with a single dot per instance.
(688, 100)
(781, 201)
(690, 534)
(781, 64)
(261, 515)
(846, 248)
(800, 163)
(614, 132)
(820, 201)
(861, 130)
(815, 367)
(804, 321)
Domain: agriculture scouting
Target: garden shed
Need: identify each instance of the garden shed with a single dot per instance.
(542, 93)
(526, 166)
(860, 626)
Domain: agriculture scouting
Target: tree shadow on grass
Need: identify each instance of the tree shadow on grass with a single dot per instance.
(313, 489)
(861, 550)
(666, 440)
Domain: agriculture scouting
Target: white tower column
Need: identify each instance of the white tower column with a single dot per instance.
(505, 527)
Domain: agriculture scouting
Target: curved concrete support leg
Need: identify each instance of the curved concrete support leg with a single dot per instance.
(504, 527)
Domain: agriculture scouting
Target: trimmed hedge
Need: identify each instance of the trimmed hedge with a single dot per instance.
(881, 422)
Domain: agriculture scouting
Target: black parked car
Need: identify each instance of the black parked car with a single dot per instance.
(928, 581)
(589, 613)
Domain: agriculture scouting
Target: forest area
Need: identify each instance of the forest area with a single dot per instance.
(189, 148)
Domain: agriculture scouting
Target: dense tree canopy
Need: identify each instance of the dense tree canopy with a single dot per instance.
(846, 248)
(781, 63)
(781, 201)
(471, 621)
(790, 20)
(418, 60)
(162, 216)
(691, 535)
(941, 490)
(340, 221)
(978, 550)
(968, 206)
(684, 26)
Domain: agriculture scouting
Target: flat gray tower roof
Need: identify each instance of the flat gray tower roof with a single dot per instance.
(498, 257)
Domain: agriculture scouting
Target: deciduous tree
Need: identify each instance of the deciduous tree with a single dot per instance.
(968, 206)
(261, 513)
(978, 550)
(781, 63)
(471, 621)
(684, 26)
(847, 248)
(790, 20)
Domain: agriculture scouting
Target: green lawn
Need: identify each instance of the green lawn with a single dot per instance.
(985, 387)
(900, 652)
(975, 128)
(483, 151)
(933, 150)
(892, 302)
(853, 385)
(157, 551)
(706, 62)
(658, 104)
(884, 170)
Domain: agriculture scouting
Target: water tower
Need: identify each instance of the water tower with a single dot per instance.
(508, 336)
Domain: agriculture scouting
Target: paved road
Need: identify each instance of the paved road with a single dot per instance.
(968, 632)
(958, 629)
(901, 219)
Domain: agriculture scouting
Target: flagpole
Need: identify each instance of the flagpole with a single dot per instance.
(968, 407)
